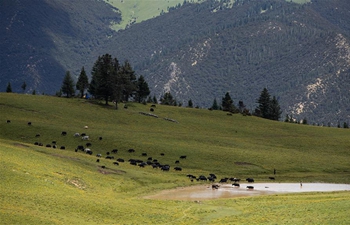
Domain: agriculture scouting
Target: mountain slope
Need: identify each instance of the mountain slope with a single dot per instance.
(198, 51)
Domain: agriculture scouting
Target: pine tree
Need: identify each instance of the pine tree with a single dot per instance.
(167, 99)
(227, 103)
(190, 104)
(215, 105)
(142, 89)
(275, 110)
(263, 110)
(127, 80)
(82, 83)
(68, 85)
(24, 85)
(9, 88)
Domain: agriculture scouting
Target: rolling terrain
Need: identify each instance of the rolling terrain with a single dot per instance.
(43, 185)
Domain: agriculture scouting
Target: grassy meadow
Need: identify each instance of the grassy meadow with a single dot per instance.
(43, 185)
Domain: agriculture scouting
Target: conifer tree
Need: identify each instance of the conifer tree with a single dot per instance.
(24, 86)
(190, 104)
(215, 105)
(227, 103)
(9, 88)
(82, 83)
(68, 85)
(142, 89)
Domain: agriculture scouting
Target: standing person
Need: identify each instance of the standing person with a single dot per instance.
(301, 184)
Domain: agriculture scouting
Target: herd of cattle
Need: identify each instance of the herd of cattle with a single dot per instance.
(147, 161)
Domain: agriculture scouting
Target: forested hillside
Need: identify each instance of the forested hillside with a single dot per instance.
(200, 51)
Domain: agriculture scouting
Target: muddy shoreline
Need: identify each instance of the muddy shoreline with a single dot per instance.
(206, 192)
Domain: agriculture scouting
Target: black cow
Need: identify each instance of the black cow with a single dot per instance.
(97, 160)
(144, 154)
(29, 123)
(149, 158)
(107, 153)
(54, 146)
(235, 185)
(162, 154)
(250, 180)
(114, 150)
(109, 157)
(165, 168)
(271, 178)
(120, 160)
(54, 142)
(223, 180)
(48, 146)
(116, 163)
(212, 175)
(80, 147)
(177, 162)
(37, 135)
(8, 121)
(250, 187)
(183, 157)
(151, 109)
(62, 147)
(178, 168)
(36, 143)
(64, 133)
(211, 179)
(201, 177)
(131, 150)
(215, 186)
(88, 144)
(100, 138)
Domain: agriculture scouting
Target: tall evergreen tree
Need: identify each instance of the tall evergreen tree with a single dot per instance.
(82, 83)
(127, 80)
(263, 109)
(275, 109)
(68, 85)
(167, 99)
(8, 88)
(104, 78)
(142, 89)
(24, 86)
(215, 105)
(227, 103)
(190, 104)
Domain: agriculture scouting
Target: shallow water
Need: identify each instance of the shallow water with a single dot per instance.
(228, 191)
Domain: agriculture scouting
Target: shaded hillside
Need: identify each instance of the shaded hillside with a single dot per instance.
(40, 40)
(300, 55)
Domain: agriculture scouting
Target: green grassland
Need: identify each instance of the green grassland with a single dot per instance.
(136, 11)
(42, 185)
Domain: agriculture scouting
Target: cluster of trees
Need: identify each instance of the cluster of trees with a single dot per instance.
(110, 81)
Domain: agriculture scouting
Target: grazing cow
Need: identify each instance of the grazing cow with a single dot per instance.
(80, 147)
(250, 180)
(98, 155)
(63, 133)
(201, 177)
(100, 138)
(76, 135)
(87, 150)
(107, 153)
(215, 186)
(116, 163)
(153, 106)
(88, 144)
(162, 154)
(36, 143)
(54, 146)
(62, 147)
(8, 121)
(177, 162)
(149, 158)
(37, 135)
(40, 144)
(271, 178)
(211, 179)
(109, 157)
(151, 109)
(165, 168)
(90, 152)
(178, 168)
(114, 150)
(120, 160)
(85, 138)
(223, 180)
(54, 142)
(183, 157)
(250, 187)
(212, 175)
(103, 167)
(144, 154)
(235, 185)
(143, 164)
(97, 160)
(48, 145)
(29, 123)
(83, 134)
(131, 150)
